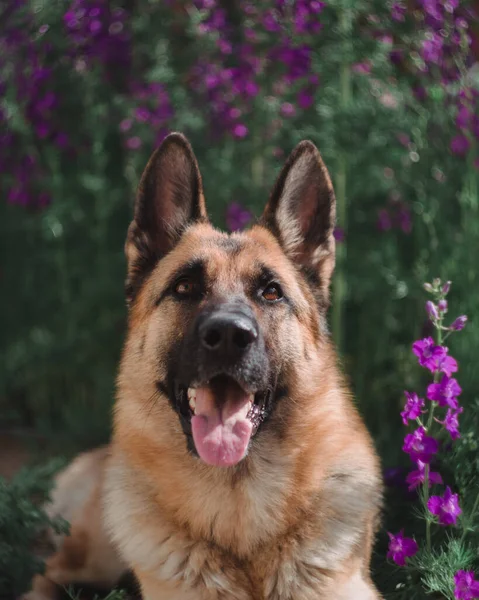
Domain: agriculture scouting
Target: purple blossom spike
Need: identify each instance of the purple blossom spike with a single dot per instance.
(446, 507)
(401, 548)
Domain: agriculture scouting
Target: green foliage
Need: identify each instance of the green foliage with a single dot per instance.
(22, 521)
(113, 595)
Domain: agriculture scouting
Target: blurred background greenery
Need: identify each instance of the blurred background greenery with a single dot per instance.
(386, 90)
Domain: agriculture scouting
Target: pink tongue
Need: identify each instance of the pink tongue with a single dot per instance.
(221, 432)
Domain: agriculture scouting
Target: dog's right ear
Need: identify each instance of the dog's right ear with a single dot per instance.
(169, 198)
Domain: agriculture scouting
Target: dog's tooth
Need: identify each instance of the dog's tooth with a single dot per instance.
(192, 404)
(191, 392)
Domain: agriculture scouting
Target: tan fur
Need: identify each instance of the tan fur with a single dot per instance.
(295, 519)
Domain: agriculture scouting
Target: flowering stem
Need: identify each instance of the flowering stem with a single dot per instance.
(430, 421)
(341, 180)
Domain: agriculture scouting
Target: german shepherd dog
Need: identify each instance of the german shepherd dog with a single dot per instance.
(239, 468)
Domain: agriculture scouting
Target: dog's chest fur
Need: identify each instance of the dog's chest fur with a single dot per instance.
(241, 541)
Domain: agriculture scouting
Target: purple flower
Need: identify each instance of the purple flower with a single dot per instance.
(237, 217)
(445, 364)
(451, 422)
(459, 145)
(305, 99)
(270, 22)
(445, 392)
(133, 143)
(459, 323)
(404, 220)
(431, 310)
(466, 587)
(446, 287)
(240, 131)
(417, 477)
(363, 68)
(420, 446)
(384, 222)
(427, 352)
(446, 507)
(398, 10)
(414, 407)
(125, 125)
(442, 306)
(432, 49)
(401, 547)
(339, 234)
(287, 109)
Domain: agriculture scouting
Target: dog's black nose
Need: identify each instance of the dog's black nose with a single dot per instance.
(227, 334)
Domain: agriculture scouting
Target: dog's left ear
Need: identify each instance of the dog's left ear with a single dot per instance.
(301, 212)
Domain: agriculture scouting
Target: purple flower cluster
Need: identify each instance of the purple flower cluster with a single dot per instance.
(397, 215)
(237, 217)
(467, 120)
(98, 34)
(230, 87)
(151, 113)
(447, 43)
(305, 15)
(23, 50)
(422, 444)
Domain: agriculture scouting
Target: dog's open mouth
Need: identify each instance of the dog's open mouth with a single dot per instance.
(224, 418)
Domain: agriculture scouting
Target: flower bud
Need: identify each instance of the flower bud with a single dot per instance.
(459, 323)
(442, 306)
(446, 287)
(428, 287)
(431, 310)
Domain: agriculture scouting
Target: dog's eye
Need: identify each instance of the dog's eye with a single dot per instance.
(187, 287)
(272, 292)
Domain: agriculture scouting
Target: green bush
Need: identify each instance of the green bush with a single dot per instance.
(22, 523)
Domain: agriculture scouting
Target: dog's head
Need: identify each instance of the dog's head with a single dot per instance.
(221, 325)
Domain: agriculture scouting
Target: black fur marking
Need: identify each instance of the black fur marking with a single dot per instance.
(162, 388)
